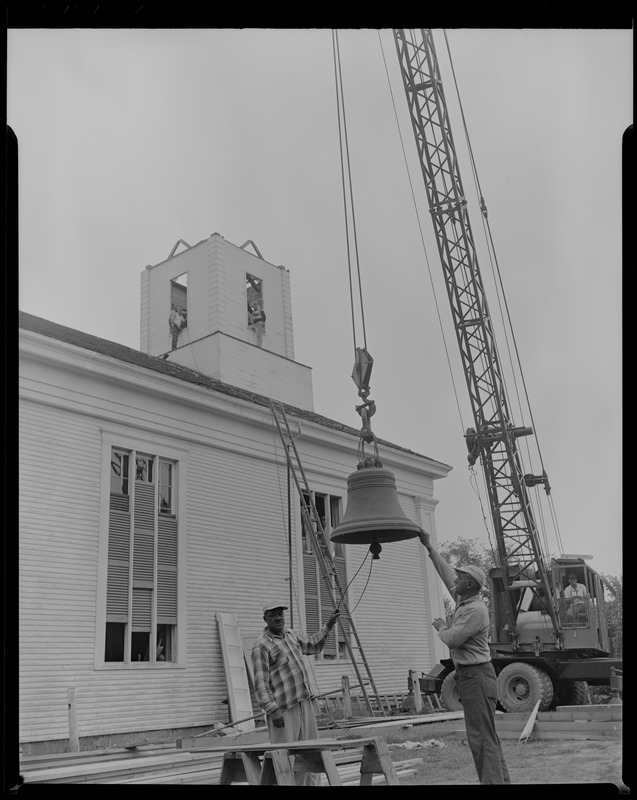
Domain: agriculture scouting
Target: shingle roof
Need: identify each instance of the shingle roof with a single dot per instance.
(127, 354)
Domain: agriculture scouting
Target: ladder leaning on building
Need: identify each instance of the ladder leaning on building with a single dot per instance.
(316, 532)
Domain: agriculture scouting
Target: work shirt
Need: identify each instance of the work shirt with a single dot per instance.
(575, 591)
(280, 676)
(576, 594)
(468, 635)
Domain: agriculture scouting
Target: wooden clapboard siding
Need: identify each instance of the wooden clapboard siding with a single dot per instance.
(59, 521)
(237, 556)
(234, 533)
(393, 620)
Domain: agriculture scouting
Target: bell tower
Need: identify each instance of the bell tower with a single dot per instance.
(224, 311)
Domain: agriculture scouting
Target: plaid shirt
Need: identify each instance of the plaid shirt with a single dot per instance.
(280, 676)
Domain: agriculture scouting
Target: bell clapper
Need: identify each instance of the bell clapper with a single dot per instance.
(375, 549)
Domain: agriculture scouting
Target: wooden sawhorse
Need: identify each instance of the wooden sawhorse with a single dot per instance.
(279, 763)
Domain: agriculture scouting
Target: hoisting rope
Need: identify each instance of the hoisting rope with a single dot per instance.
(363, 361)
(346, 178)
(422, 239)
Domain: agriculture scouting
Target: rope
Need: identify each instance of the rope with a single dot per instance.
(422, 239)
(346, 172)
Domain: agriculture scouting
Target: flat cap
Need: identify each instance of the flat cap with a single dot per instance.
(475, 573)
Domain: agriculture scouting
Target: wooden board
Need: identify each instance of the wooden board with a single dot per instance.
(530, 723)
(239, 697)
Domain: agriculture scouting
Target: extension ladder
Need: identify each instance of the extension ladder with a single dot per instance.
(316, 532)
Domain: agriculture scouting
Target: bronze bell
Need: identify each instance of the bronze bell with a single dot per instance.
(373, 514)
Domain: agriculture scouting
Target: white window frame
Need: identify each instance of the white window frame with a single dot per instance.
(328, 527)
(122, 438)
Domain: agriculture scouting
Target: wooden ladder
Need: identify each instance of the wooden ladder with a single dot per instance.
(316, 532)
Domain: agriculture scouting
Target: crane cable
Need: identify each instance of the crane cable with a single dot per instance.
(347, 188)
(422, 239)
(346, 173)
(472, 478)
(495, 268)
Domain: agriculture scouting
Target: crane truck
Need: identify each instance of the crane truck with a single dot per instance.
(545, 647)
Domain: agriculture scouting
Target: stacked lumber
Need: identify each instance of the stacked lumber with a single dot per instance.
(163, 766)
(566, 722)
(104, 766)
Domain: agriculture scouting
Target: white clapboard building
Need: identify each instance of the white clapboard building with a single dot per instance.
(154, 495)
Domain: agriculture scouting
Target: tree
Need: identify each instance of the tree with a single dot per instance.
(468, 551)
(613, 596)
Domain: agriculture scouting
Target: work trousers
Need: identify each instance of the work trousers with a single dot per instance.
(478, 689)
(300, 724)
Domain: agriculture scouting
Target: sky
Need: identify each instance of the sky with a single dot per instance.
(130, 140)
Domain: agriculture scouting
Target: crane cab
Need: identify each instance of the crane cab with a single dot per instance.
(580, 603)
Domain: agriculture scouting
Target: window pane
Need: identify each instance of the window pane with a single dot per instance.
(165, 499)
(119, 472)
(144, 469)
(164, 649)
(140, 641)
(165, 487)
(114, 650)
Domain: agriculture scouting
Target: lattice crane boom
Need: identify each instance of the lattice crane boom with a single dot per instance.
(494, 438)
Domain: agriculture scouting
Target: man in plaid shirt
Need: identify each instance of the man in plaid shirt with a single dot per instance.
(281, 680)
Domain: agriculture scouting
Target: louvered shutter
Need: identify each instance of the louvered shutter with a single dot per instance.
(343, 623)
(143, 557)
(167, 571)
(118, 562)
(117, 593)
(312, 618)
(144, 536)
(142, 603)
(145, 506)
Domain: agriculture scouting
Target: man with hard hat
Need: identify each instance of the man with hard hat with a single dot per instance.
(281, 681)
(467, 637)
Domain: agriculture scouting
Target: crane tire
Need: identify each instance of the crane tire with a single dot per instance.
(449, 694)
(572, 693)
(521, 685)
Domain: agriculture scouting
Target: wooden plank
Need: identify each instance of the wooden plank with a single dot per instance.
(580, 725)
(377, 758)
(412, 720)
(243, 767)
(277, 769)
(568, 735)
(59, 759)
(239, 696)
(306, 744)
(84, 772)
(530, 723)
(567, 725)
(74, 736)
(247, 658)
(329, 768)
(205, 777)
(195, 769)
